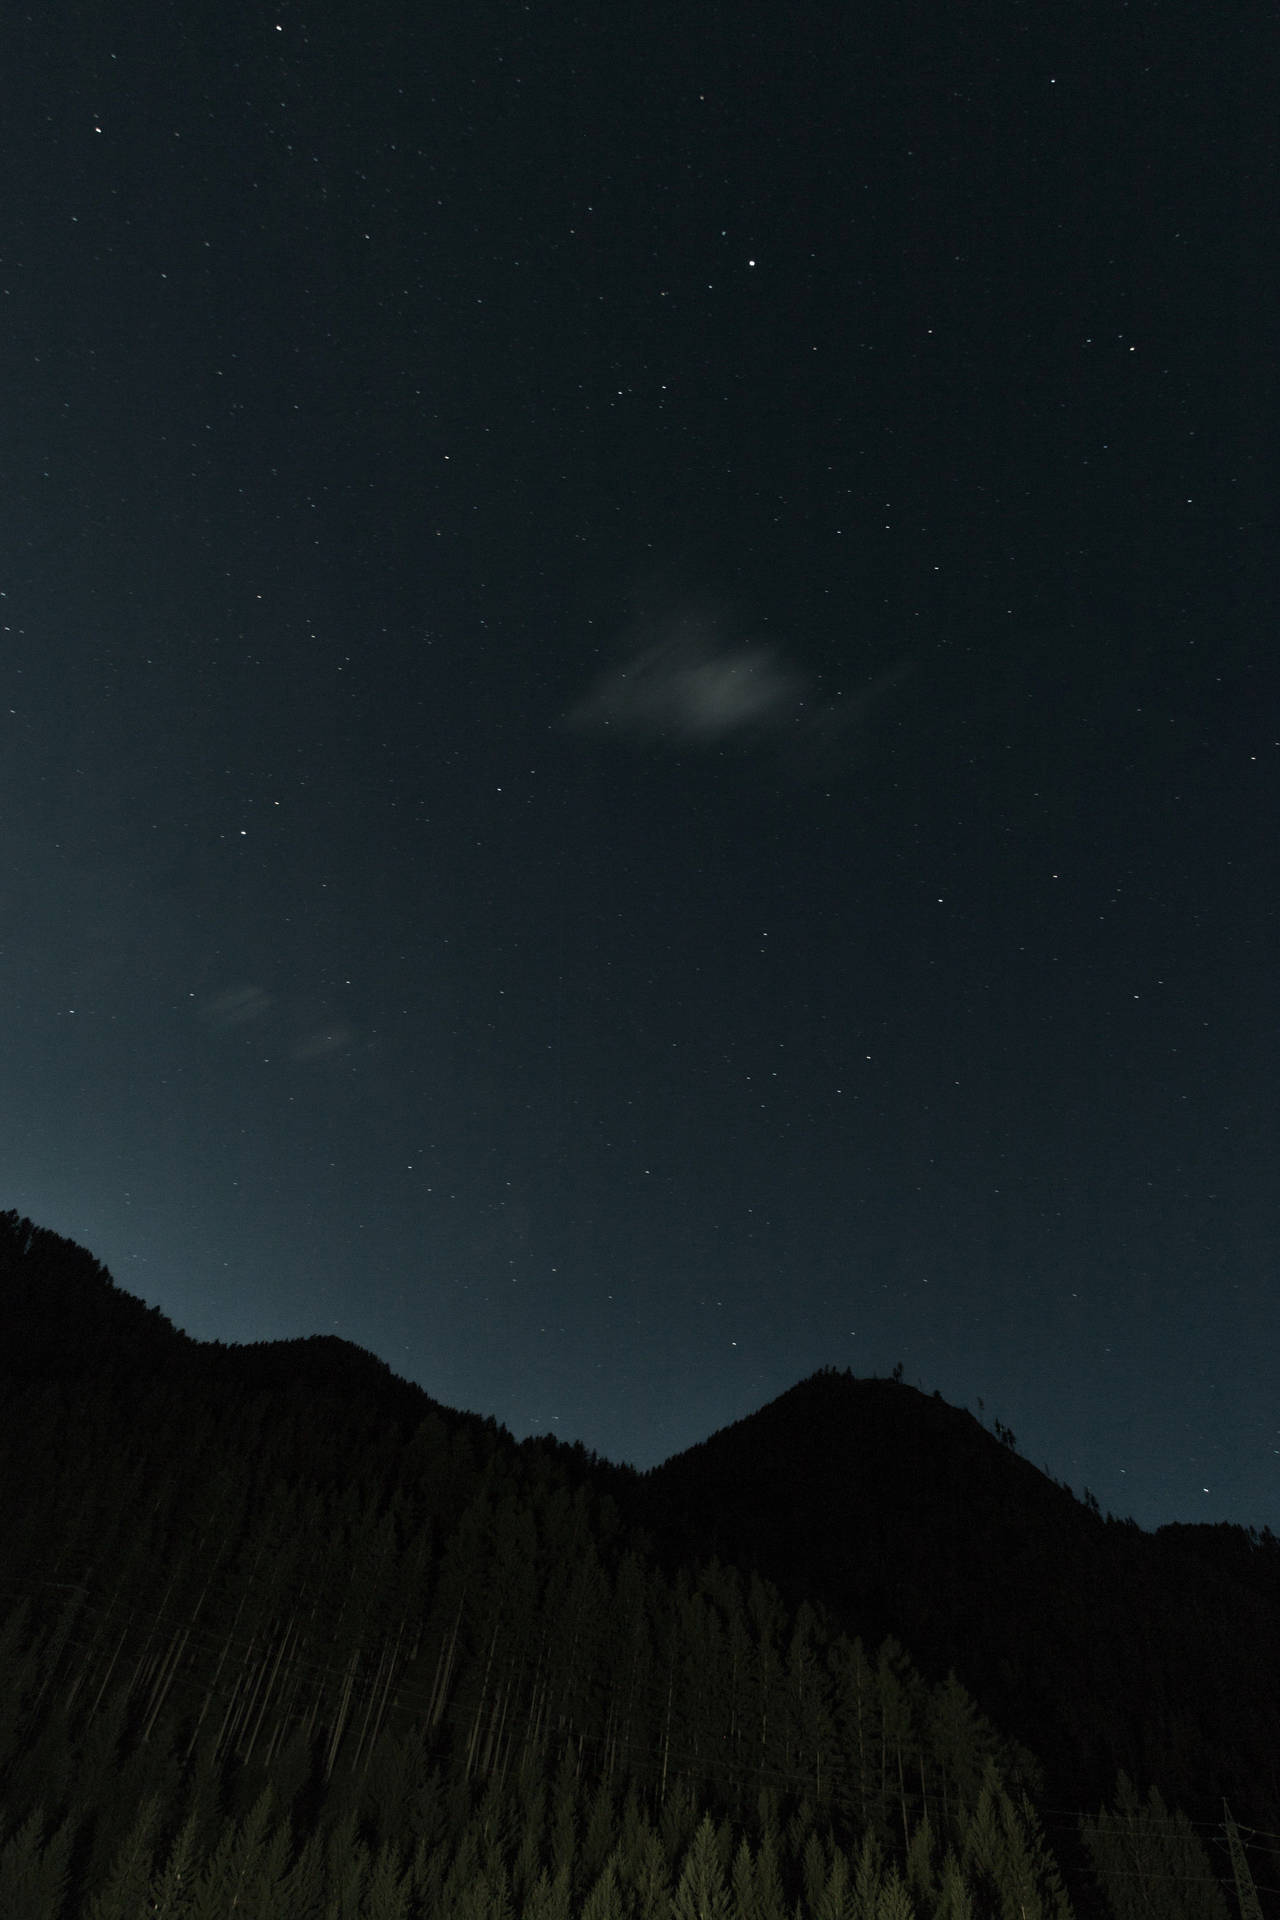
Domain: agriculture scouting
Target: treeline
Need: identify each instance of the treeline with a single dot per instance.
(351, 1796)
(400, 1844)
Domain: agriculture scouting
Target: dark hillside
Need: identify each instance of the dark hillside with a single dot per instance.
(1099, 1645)
(271, 1618)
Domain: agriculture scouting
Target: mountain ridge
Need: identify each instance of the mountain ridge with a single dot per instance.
(903, 1513)
(873, 1510)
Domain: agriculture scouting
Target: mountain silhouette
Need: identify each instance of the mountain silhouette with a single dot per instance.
(854, 1626)
(1099, 1645)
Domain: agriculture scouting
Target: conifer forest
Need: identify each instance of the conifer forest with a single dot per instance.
(282, 1638)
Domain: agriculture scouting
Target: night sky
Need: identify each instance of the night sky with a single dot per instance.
(641, 744)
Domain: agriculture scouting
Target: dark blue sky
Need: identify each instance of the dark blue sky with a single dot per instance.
(641, 726)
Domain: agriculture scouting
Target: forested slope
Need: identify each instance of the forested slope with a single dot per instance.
(1104, 1647)
(283, 1637)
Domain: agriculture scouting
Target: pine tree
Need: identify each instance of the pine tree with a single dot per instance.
(604, 1902)
(920, 1874)
(249, 1867)
(487, 1896)
(961, 1742)
(549, 1898)
(304, 1888)
(859, 1723)
(836, 1901)
(599, 1838)
(867, 1878)
(895, 1901)
(33, 1869)
(901, 1712)
(1038, 1881)
(172, 1888)
(527, 1862)
(125, 1890)
(770, 1900)
(1006, 1851)
(346, 1871)
(810, 1731)
(813, 1871)
(1149, 1862)
(954, 1899)
(464, 1869)
(678, 1820)
(564, 1823)
(701, 1893)
(648, 1880)
(743, 1881)
(388, 1894)
(430, 1865)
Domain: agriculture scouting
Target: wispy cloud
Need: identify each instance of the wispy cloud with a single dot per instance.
(682, 679)
(293, 1021)
(686, 680)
